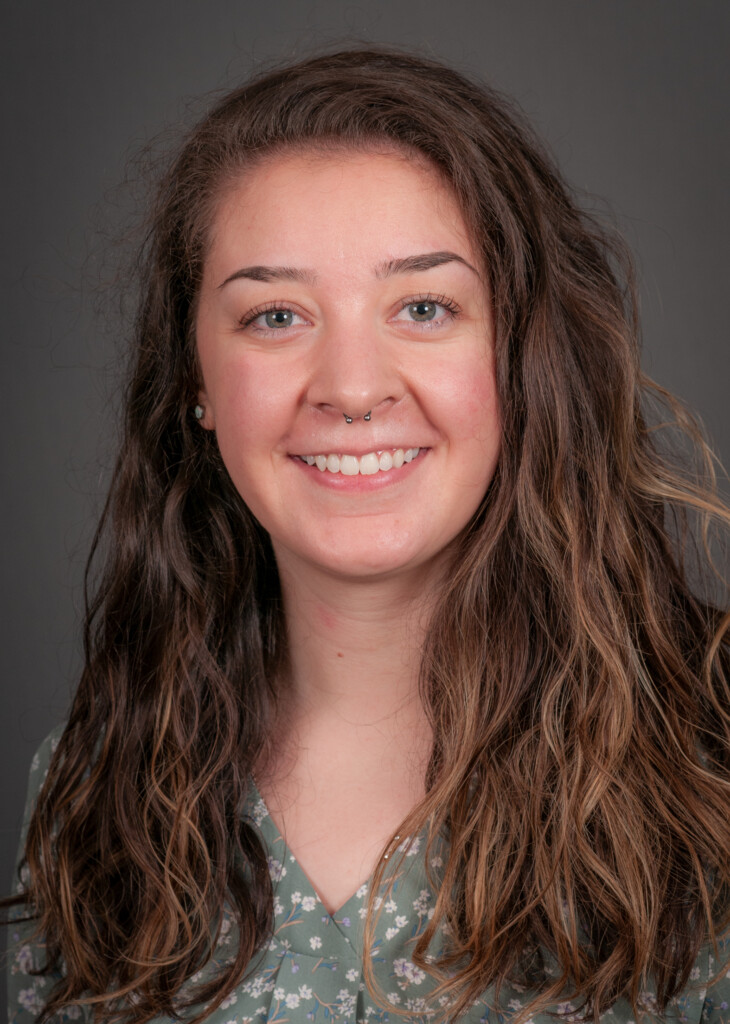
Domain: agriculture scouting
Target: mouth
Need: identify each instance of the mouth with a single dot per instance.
(382, 461)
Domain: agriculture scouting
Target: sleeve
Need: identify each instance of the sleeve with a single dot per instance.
(27, 993)
(716, 1007)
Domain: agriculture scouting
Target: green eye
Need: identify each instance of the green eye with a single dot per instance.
(279, 318)
(421, 311)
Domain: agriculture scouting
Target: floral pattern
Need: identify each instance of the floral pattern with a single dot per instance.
(312, 968)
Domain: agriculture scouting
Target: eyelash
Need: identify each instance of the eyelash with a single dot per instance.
(268, 307)
(452, 308)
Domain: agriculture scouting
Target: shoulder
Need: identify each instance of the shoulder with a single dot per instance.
(27, 990)
(716, 1007)
(42, 757)
(39, 766)
(37, 774)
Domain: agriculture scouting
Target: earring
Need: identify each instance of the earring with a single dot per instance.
(198, 412)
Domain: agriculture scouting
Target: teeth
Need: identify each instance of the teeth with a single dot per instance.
(348, 465)
(366, 465)
(369, 464)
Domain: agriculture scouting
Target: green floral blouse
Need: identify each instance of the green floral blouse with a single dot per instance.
(312, 967)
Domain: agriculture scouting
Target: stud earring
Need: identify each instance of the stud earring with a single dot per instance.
(198, 412)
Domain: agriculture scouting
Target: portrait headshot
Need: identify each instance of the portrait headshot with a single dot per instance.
(366, 516)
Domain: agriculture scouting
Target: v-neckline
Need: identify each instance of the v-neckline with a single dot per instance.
(266, 824)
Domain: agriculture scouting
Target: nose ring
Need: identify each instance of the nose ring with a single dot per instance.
(366, 417)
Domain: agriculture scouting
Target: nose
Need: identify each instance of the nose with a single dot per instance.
(355, 372)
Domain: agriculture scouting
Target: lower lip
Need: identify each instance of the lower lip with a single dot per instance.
(360, 484)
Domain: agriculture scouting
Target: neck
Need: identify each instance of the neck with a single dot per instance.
(350, 750)
(355, 645)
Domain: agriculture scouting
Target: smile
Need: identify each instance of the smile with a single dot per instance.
(364, 465)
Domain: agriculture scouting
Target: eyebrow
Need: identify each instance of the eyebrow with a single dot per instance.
(423, 261)
(406, 265)
(260, 273)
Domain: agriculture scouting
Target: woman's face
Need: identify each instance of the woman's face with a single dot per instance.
(346, 285)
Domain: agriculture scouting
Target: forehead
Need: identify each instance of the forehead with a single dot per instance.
(336, 206)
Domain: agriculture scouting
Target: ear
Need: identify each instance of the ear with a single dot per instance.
(207, 420)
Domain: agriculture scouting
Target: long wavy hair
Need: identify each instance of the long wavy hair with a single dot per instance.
(576, 681)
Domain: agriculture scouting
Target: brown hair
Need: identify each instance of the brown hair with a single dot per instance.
(586, 792)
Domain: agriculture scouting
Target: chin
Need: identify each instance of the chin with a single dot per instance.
(355, 550)
(378, 560)
(366, 567)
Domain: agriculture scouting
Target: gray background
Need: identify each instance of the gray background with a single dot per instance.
(632, 96)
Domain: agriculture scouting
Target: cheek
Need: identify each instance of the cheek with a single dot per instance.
(247, 407)
(466, 395)
(250, 401)
(475, 435)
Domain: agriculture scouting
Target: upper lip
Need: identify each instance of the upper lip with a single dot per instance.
(348, 448)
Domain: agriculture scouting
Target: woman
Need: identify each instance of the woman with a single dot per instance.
(397, 700)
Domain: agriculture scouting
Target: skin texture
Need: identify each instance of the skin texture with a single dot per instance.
(360, 558)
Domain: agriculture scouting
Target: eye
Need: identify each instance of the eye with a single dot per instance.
(421, 311)
(428, 310)
(278, 318)
(271, 318)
